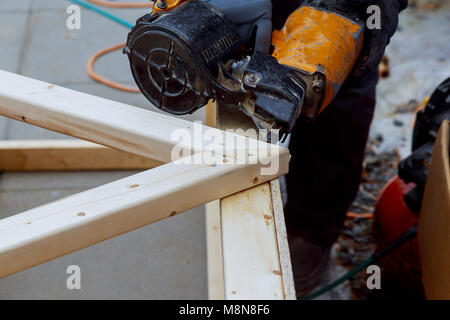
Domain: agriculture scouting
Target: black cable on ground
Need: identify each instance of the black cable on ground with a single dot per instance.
(408, 235)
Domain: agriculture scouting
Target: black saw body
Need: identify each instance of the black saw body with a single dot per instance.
(182, 58)
(175, 56)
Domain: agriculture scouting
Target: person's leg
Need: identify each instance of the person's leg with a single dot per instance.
(325, 173)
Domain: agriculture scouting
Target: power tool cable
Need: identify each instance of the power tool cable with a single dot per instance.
(410, 234)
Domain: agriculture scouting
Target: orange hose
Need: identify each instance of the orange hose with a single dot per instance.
(122, 4)
(366, 215)
(93, 59)
(99, 78)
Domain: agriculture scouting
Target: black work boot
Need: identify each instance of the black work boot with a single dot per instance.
(309, 263)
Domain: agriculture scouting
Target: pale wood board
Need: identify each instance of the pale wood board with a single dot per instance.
(70, 224)
(250, 253)
(134, 130)
(65, 154)
(255, 250)
(216, 287)
(282, 241)
(434, 222)
(73, 223)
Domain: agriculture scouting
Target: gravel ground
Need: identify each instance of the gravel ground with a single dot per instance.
(357, 242)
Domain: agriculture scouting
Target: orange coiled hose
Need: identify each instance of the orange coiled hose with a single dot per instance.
(94, 58)
(101, 79)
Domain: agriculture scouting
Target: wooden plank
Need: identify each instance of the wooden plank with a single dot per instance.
(64, 154)
(250, 253)
(282, 241)
(256, 256)
(55, 229)
(73, 223)
(216, 287)
(210, 114)
(434, 222)
(134, 130)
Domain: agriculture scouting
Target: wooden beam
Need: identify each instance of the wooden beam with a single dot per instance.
(251, 265)
(73, 223)
(64, 154)
(210, 114)
(282, 241)
(134, 130)
(216, 286)
(255, 252)
(434, 222)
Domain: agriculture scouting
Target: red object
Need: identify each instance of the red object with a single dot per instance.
(391, 219)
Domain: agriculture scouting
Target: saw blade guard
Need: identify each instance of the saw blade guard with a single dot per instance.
(175, 55)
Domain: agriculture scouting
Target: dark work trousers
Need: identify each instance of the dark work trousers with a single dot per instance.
(326, 164)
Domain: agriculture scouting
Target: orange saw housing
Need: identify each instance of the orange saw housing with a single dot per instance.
(315, 39)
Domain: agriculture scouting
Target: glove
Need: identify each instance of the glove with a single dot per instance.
(376, 40)
(252, 18)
